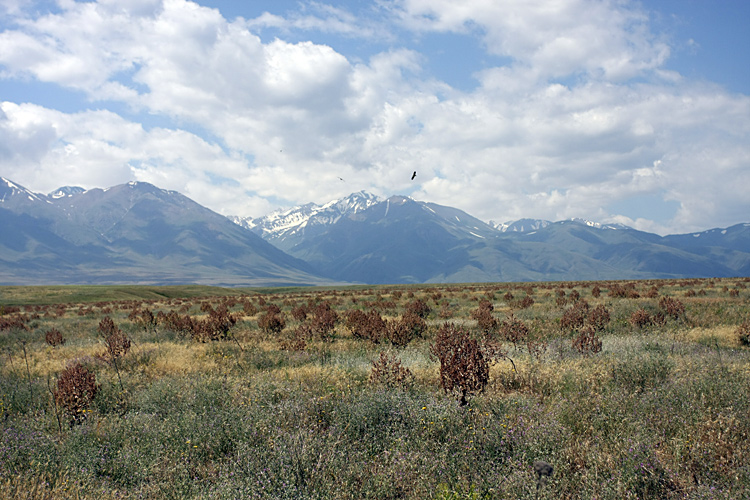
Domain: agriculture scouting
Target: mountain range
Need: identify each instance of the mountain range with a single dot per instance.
(132, 233)
(138, 233)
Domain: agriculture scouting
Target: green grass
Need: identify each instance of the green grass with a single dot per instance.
(660, 412)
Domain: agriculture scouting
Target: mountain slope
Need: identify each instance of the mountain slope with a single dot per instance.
(400, 240)
(286, 228)
(132, 233)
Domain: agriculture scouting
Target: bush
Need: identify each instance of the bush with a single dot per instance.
(54, 337)
(672, 307)
(483, 315)
(418, 308)
(743, 333)
(599, 317)
(271, 322)
(587, 342)
(323, 320)
(514, 330)
(640, 318)
(464, 362)
(387, 371)
(574, 317)
(366, 326)
(118, 344)
(401, 332)
(76, 390)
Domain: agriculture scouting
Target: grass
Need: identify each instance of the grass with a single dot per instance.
(660, 412)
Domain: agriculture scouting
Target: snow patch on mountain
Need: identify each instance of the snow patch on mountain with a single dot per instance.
(279, 224)
(66, 192)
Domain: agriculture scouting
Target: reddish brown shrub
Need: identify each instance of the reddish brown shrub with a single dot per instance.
(524, 303)
(324, 319)
(76, 390)
(118, 344)
(14, 322)
(172, 321)
(446, 311)
(599, 317)
(623, 291)
(299, 313)
(464, 362)
(574, 317)
(388, 371)
(402, 331)
(743, 333)
(298, 339)
(54, 337)
(640, 318)
(271, 323)
(366, 326)
(419, 308)
(486, 322)
(248, 308)
(514, 330)
(672, 307)
(215, 327)
(587, 342)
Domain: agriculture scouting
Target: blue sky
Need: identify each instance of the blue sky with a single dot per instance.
(616, 111)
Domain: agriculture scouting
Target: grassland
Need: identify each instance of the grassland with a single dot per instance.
(244, 409)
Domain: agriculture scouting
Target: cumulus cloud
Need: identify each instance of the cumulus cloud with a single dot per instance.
(582, 113)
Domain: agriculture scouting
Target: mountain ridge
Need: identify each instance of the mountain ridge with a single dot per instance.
(139, 233)
(133, 233)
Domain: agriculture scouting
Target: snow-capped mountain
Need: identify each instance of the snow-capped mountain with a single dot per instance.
(12, 194)
(139, 233)
(131, 233)
(520, 225)
(66, 192)
(285, 228)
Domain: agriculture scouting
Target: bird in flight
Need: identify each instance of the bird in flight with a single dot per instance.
(342, 180)
(413, 175)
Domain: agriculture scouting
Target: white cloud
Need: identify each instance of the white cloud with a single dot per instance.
(564, 130)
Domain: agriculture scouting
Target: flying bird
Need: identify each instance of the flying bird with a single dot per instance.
(342, 180)
(413, 175)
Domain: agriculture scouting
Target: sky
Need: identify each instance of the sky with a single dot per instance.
(617, 111)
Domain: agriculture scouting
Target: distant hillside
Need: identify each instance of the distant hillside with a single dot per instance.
(400, 240)
(131, 233)
(138, 233)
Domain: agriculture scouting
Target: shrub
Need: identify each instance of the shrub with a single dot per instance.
(298, 339)
(640, 318)
(366, 326)
(599, 317)
(483, 315)
(419, 308)
(464, 362)
(271, 322)
(323, 320)
(743, 333)
(54, 337)
(15, 322)
(147, 320)
(671, 307)
(402, 331)
(514, 330)
(215, 327)
(117, 343)
(173, 321)
(587, 342)
(299, 313)
(575, 316)
(387, 371)
(76, 390)
(623, 291)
